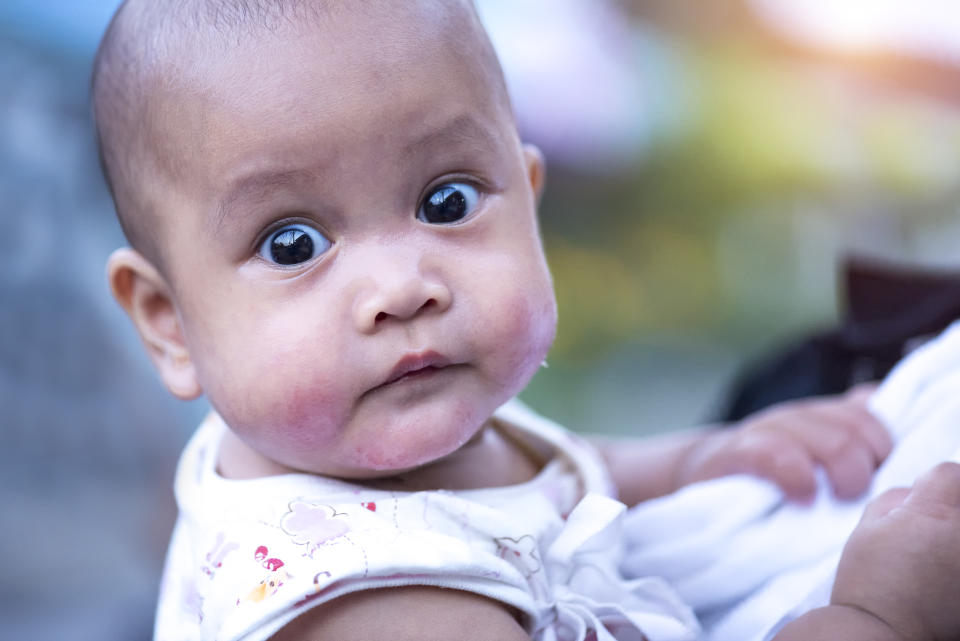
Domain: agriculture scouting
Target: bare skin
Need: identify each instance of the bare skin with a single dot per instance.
(784, 444)
(406, 614)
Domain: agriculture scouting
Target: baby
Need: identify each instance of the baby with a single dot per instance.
(333, 237)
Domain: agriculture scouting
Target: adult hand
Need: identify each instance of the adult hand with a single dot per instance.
(902, 562)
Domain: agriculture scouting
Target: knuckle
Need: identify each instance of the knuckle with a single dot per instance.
(778, 458)
(837, 442)
(774, 416)
(862, 391)
(946, 473)
(889, 495)
(758, 448)
(788, 457)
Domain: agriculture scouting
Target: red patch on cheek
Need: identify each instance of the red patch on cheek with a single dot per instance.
(307, 413)
(292, 424)
(530, 328)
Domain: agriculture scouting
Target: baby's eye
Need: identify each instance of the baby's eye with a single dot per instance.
(448, 203)
(294, 244)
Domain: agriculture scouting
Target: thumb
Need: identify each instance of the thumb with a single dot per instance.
(938, 486)
(884, 503)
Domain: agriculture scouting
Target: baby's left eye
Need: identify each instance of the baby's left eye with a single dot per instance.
(448, 203)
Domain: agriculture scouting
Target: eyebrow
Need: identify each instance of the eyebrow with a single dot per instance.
(461, 130)
(256, 186)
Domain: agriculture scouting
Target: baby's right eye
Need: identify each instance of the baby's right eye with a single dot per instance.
(294, 244)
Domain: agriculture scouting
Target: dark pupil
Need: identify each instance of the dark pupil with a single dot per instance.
(291, 247)
(446, 205)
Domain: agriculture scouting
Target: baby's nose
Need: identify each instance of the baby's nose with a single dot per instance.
(399, 293)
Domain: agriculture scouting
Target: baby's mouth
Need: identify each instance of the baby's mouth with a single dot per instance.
(415, 365)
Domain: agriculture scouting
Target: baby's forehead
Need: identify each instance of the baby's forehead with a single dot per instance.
(178, 27)
(156, 51)
(168, 47)
(338, 41)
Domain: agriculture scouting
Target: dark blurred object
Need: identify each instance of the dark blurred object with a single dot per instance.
(890, 310)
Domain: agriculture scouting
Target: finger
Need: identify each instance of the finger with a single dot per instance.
(838, 433)
(862, 391)
(850, 472)
(784, 461)
(870, 428)
(825, 427)
(787, 443)
(795, 473)
(884, 503)
(939, 485)
(849, 417)
(876, 435)
(847, 459)
(847, 440)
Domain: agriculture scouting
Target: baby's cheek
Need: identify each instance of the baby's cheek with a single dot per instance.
(528, 326)
(304, 390)
(307, 414)
(286, 419)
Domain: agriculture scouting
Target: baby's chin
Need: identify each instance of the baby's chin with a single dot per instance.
(407, 446)
(387, 432)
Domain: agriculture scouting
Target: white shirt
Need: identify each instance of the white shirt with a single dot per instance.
(248, 556)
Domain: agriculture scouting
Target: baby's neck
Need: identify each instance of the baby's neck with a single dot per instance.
(238, 461)
(490, 459)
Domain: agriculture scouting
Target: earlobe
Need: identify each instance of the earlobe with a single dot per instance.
(536, 169)
(144, 294)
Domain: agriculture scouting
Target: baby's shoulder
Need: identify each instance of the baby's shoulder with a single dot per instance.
(410, 613)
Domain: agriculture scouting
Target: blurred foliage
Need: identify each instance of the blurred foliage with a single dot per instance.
(705, 233)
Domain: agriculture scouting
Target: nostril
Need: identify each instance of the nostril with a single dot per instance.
(404, 312)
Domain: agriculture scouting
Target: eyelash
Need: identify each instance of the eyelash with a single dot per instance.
(261, 249)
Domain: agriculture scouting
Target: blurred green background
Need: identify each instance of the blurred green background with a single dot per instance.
(768, 153)
(709, 164)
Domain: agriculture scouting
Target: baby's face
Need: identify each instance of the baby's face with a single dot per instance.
(352, 246)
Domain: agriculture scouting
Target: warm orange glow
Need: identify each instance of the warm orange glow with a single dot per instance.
(921, 27)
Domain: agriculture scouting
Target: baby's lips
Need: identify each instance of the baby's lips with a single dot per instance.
(414, 362)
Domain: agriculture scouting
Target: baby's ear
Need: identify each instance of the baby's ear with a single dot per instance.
(536, 169)
(143, 292)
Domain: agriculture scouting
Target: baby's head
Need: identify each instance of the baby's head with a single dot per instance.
(332, 221)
